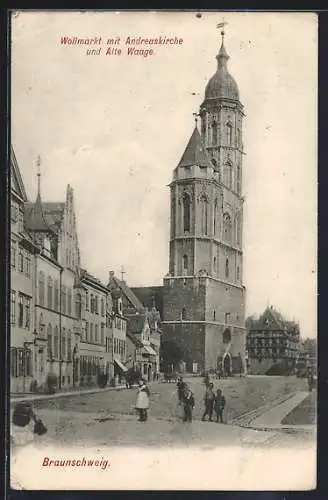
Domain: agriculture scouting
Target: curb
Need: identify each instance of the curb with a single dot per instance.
(246, 418)
(41, 397)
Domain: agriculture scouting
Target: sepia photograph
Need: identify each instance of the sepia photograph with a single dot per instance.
(163, 250)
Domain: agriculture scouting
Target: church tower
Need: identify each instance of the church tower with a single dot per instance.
(204, 296)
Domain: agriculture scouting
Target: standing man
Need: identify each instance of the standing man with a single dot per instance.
(219, 404)
(188, 405)
(209, 402)
(182, 386)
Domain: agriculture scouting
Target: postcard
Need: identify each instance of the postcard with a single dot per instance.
(163, 250)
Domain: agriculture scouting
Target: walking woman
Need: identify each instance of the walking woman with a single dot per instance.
(142, 403)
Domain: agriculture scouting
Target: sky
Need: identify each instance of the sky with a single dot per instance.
(115, 127)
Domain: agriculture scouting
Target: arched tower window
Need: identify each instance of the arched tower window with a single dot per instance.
(238, 229)
(186, 212)
(238, 184)
(173, 215)
(227, 268)
(214, 265)
(215, 215)
(183, 313)
(228, 175)
(49, 292)
(214, 133)
(56, 343)
(227, 227)
(41, 288)
(185, 264)
(204, 214)
(229, 134)
(78, 305)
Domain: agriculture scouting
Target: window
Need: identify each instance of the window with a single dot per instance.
(96, 304)
(20, 221)
(92, 309)
(227, 268)
(102, 334)
(215, 217)
(21, 369)
(27, 266)
(227, 228)
(238, 187)
(69, 302)
(238, 273)
(204, 210)
(238, 229)
(13, 307)
(49, 335)
(214, 133)
(91, 332)
(63, 345)
(13, 254)
(21, 261)
(49, 288)
(27, 312)
(56, 343)
(228, 175)
(41, 288)
(69, 346)
(185, 263)
(78, 306)
(96, 334)
(238, 137)
(87, 300)
(214, 265)
(56, 295)
(183, 313)
(63, 299)
(20, 311)
(102, 307)
(229, 134)
(186, 212)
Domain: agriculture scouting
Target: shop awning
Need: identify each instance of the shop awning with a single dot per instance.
(146, 349)
(120, 365)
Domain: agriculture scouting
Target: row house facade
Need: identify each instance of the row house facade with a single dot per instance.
(272, 340)
(60, 315)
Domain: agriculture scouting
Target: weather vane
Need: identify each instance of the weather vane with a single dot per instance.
(196, 115)
(222, 25)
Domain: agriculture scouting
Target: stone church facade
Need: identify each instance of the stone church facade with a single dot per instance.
(203, 293)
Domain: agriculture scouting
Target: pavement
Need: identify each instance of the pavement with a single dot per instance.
(39, 397)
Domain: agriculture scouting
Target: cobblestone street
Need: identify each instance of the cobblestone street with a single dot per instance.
(108, 418)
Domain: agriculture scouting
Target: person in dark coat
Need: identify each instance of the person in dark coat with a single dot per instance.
(182, 386)
(188, 405)
(209, 402)
(219, 404)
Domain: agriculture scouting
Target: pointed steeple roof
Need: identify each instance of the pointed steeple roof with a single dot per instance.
(195, 152)
(35, 218)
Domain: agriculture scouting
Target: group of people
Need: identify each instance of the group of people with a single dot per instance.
(213, 402)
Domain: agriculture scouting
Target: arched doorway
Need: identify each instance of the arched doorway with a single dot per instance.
(226, 364)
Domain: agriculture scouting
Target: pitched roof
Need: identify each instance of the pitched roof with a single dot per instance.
(35, 217)
(134, 339)
(17, 184)
(195, 152)
(148, 295)
(132, 298)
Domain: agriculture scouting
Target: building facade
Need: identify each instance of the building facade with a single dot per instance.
(273, 344)
(22, 318)
(204, 296)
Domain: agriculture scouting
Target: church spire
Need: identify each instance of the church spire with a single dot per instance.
(222, 57)
(38, 166)
(36, 220)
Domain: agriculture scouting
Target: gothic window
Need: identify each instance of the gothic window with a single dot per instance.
(173, 215)
(78, 305)
(63, 344)
(185, 263)
(204, 214)
(63, 299)
(49, 292)
(238, 137)
(56, 295)
(41, 325)
(229, 134)
(27, 312)
(238, 187)
(186, 212)
(41, 288)
(228, 175)
(227, 268)
(203, 127)
(183, 313)
(20, 310)
(49, 335)
(56, 342)
(214, 265)
(227, 227)
(238, 273)
(69, 302)
(238, 229)
(215, 217)
(214, 133)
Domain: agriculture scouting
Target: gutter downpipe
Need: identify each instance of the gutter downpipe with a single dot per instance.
(60, 328)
